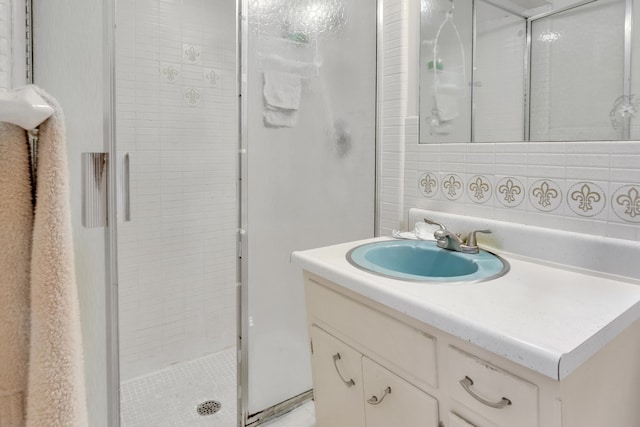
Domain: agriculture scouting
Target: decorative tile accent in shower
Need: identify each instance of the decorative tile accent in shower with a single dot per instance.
(192, 97)
(191, 54)
(170, 73)
(212, 77)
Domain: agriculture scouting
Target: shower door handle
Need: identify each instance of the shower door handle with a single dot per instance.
(124, 180)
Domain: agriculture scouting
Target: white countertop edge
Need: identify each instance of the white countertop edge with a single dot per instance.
(570, 361)
(547, 362)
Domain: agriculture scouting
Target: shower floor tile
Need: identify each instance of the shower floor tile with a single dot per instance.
(169, 397)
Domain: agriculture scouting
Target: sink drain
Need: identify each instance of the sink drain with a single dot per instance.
(209, 407)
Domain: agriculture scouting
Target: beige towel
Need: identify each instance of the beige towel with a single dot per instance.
(56, 389)
(16, 221)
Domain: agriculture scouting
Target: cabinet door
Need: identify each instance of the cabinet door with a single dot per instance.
(337, 382)
(391, 401)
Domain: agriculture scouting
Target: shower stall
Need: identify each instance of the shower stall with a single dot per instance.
(236, 132)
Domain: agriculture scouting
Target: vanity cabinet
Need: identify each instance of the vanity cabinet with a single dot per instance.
(362, 349)
(351, 390)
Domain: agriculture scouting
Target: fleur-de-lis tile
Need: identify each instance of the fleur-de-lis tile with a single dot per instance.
(191, 53)
(545, 195)
(625, 203)
(510, 192)
(212, 77)
(452, 186)
(586, 199)
(191, 97)
(428, 184)
(479, 189)
(170, 72)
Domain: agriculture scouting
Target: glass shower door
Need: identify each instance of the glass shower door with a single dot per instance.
(309, 105)
(177, 140)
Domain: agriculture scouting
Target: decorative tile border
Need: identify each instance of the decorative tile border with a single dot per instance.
(584, 199)
(479, 189)
(625, 203)
(428, 184)
(452, 186)
(545, 195)
(510, 192)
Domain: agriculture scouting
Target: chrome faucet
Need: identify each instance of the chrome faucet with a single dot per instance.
(446, 239)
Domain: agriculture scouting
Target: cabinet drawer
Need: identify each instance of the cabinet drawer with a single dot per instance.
(405, 350)
(478, 385)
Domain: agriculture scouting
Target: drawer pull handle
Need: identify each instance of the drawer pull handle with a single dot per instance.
(349, 383)
(467, 382)
(374, 400)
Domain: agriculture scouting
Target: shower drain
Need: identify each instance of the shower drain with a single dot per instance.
(209, 407)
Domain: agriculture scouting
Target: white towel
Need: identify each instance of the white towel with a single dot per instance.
(282, 90)
(279, 118)
(16, 224)
(56, 389)
(277, 63)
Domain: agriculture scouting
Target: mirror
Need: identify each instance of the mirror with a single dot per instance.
(528, 70)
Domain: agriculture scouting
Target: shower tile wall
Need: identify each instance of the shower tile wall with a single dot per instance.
(177, 117)
(5, 44)
(611, 169)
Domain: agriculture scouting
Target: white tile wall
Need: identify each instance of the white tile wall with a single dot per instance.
(588, 187)
(5, 44)
(177, 117)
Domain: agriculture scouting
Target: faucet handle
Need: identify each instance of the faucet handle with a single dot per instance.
(432, 222)
(471, 240)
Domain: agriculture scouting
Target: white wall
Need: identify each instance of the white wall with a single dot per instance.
(610, 169)
(177, 117)
(68, 60)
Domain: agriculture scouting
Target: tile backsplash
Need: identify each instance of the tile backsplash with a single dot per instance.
(590, 187)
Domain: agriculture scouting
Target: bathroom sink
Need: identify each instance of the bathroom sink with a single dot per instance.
(423, 261)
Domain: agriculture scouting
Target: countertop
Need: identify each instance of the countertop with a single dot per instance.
(545, 318)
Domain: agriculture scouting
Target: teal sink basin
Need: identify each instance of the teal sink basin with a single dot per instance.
(423, 261)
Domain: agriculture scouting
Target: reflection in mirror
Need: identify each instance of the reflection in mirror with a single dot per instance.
(527, 70)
